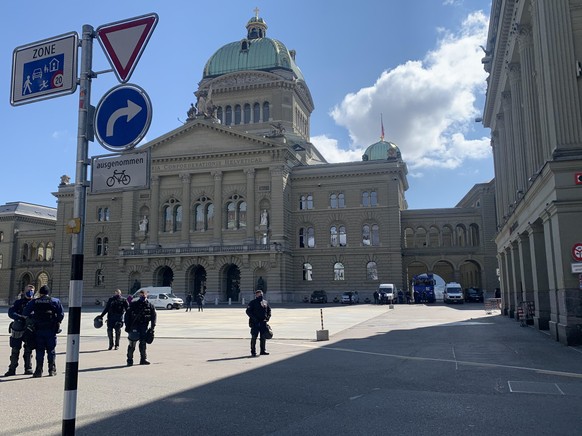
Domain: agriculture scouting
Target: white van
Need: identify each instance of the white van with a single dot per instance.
(453, 293)
(387, 293)
(161, 297)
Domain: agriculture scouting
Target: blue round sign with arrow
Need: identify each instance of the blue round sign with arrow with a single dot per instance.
(123, 117)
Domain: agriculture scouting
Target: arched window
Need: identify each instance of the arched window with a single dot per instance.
(366, 238)
(343, 237)
(177, 218)
(408, 238)
(99, 278)
(210, 216)
(333, 201)
(199, 218)
(236, 212)
(203, 214)
(1, 260)
(172, 215)
(373, 198)
(365, 199)
(433, 236)
(49, 252)
(461, 236)
(40, 253)
(219, 114)
(237, 114)
(306, 237)
(247, 113)
(306, 202)
(103, 214)
(372, 271)
(333, 240)
(447, 236)
(375, 235)
(228, 116)
(338, 271)
(420, 237)
(25, 253)
(474, 235)
(1, 236)
(102, 246)
(266, 111)
(341, 200)
(256, 113)
(307, 272)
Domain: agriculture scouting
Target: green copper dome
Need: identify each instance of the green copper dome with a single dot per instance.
(255, 52)
(382, 150)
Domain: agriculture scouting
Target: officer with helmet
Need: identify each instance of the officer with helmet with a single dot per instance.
(20, 335)
(140, 314)
(47, 314)
(115, 309)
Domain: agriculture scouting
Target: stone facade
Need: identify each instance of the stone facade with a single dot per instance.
(534, 109)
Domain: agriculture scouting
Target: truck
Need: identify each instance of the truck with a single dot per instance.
(422, 287)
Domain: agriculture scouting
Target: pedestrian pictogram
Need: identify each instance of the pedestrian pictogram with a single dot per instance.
(124, 41)
(577, 251)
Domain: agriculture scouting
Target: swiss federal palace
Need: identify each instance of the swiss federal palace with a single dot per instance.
(239, 198)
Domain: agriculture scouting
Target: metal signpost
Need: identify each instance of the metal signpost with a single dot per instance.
(48, 69)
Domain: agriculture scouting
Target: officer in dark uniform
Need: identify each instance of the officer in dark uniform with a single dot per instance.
(138, 317)
(259, 313)
(21, 335)
(115, 308)
(47, 314)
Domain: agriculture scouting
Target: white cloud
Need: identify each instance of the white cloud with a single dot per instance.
(329, 148)
(428, 106)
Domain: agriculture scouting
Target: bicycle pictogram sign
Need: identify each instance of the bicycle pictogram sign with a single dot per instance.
(119, 177)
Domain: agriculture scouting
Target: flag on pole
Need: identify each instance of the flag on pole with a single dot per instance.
(382, 124)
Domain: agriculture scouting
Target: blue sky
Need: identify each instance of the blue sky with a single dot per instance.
(416, 62)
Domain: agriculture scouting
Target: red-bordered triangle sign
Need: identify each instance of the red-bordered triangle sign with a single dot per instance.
(124, 41)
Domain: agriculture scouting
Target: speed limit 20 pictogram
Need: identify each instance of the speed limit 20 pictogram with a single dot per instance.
(577, 251)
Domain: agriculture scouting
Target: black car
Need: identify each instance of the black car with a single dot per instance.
(318, 297)
(473, 294)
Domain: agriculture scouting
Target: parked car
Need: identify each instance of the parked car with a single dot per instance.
(474, 294)
(162, 297)
(318, 297)
(453, 293)
(350, 297)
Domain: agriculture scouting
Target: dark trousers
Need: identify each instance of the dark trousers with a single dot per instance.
(17, 344)
(113, 326)
(142, 345)
(258, 329)
(46, 341)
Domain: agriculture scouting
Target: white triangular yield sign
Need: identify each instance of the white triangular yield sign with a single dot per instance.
(124, 41)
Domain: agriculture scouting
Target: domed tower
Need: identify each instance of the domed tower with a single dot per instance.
(254, 85)
(382, 150)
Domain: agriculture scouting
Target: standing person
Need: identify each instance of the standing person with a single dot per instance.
(259, 313)
(376, 297)
(140, 314)
(189, 302)
(21, 335)
(47, 314)
(200, 301)
(115, 308)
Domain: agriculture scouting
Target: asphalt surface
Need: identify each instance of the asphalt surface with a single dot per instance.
(411, 370)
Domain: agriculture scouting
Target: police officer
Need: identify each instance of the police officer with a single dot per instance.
(140, 314)
(21, 335)
(47, 314)
(259, 313)
(115, 308)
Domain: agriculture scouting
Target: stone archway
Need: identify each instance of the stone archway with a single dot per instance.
(471, 274)
(231, 282)
(164, 276)
(197, 280)
(445, 270)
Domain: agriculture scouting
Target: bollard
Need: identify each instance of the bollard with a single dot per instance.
(322, 335)
(216, 301)
(243, 301)
(229, 301)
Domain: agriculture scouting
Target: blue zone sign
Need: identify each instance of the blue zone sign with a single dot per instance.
(44, 69)
(123, 117)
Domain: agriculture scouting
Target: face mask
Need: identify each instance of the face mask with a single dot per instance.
(259, 297)
(142, 298)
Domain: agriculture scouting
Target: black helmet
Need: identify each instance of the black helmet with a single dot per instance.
(98, 322)
(133, 336)
(150, 336)
(19, 325)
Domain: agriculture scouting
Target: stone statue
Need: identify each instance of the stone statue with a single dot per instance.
(191, 112)
(65, 179)
(143, 224)
(264, 218)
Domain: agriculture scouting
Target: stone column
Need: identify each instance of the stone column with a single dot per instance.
(218, 208)
(510, 146)
(186, 208)
(525, 267)
(516, 284)
(521, 175)
(277, 212)
(551, 269)
(539, 275)
(251, 207)
(154, 226)
(532, 134)
(559, 79)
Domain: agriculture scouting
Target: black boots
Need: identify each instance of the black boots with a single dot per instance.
(37, 371)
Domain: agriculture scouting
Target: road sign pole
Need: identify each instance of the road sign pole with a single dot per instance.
(76, 282)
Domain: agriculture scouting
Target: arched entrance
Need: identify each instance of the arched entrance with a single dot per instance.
(232, 282)
(164, 276)
(197, 280)
(471, 274)
(445, 270)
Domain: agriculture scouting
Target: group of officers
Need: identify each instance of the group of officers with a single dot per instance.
(36, 321)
